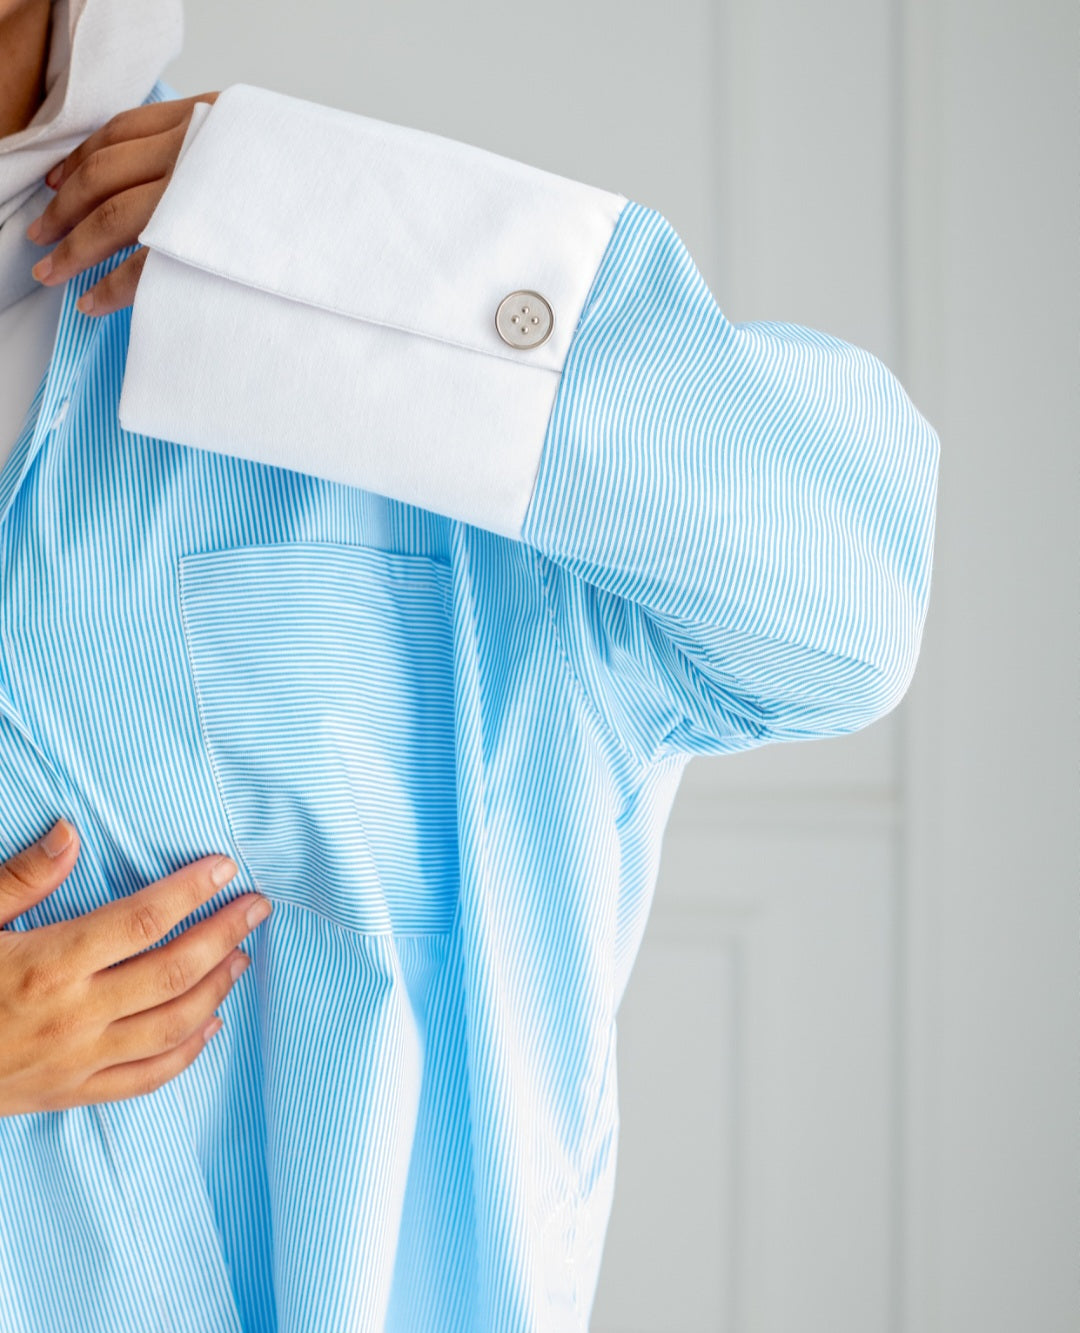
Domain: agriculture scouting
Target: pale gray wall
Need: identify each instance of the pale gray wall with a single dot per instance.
(499, 75)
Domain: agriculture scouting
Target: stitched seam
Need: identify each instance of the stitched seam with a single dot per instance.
(605, 727)
(219, 786)
(590, 297)
(437, 576)
(510, 356)
(204, 731)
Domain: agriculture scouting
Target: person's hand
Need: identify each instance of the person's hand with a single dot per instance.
(106, 189)
(84, 1015)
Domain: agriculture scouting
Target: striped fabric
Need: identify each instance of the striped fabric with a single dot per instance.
(447, 757)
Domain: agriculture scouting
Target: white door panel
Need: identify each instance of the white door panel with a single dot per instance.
(756, 1053)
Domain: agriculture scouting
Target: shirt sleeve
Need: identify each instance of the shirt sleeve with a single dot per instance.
(732, 524)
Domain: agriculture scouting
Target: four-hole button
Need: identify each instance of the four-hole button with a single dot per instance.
(524, 319)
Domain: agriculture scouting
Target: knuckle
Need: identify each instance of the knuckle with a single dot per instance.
(104, 134)
(87, 175)
(176, 976)
(143, 925)
(115, 130)
(40, 977)
(109, 216)
(172, 1031)
(127, 122)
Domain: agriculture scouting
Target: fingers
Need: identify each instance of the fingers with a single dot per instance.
(163, 974)
(119, 929)
(116, 289)
(138, 122)
(109, 227)
(83, 1021)
(135, 1079)
(157, 1030)
(106, 191)
(99, 177)
(35, 871)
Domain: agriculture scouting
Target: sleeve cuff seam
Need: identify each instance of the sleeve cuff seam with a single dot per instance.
(514, 358)
(593, 288)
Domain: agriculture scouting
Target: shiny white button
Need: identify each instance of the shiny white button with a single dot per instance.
(524, 319)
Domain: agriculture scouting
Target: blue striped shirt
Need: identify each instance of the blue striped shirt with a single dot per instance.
(447, 757)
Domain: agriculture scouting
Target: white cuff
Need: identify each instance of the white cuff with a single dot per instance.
(321, 291)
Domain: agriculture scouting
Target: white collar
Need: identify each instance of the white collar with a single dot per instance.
(104, 56)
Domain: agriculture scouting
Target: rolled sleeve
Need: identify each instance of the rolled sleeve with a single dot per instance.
(321, 292)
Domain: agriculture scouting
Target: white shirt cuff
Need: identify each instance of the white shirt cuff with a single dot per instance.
(321, 293)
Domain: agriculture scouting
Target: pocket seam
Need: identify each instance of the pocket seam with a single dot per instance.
(204, 734)
(431, 574)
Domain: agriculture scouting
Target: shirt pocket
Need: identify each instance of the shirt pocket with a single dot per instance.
(323, 675)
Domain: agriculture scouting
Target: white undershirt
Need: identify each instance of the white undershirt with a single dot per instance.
(27, 335)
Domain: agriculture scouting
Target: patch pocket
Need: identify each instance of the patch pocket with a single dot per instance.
(323, 675)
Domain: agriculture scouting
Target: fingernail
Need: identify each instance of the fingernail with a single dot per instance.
(85, 303)
(53, 176)
(57, 838)
(213, 1026)
(42, 268)
(238, 966)
(258, 911)
(34, 230)
(222, 871)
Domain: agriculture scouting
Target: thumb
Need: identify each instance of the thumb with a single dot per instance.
(34, 872)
